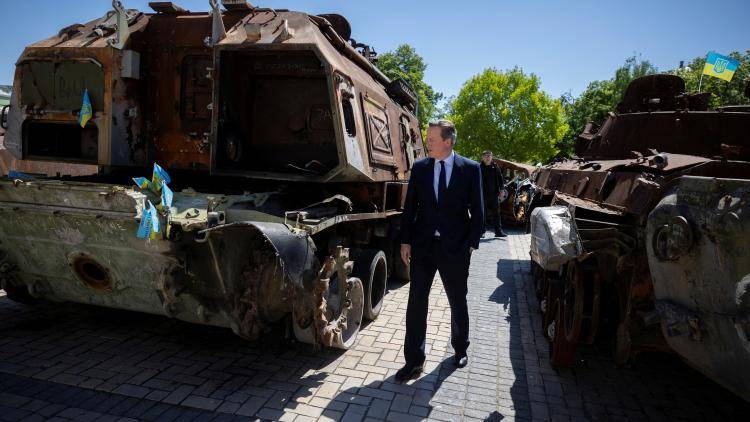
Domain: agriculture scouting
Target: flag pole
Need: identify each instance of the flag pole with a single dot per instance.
(700, 81)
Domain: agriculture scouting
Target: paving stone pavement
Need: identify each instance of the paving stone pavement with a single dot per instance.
(73, 362)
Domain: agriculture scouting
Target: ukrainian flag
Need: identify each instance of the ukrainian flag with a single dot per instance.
(86, 113)
(719, 66)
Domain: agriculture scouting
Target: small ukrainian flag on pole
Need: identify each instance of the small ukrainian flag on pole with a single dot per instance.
(719, 66)
(85, 115)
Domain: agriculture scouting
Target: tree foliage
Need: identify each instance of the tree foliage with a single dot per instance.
(507, 113)
(405, 63)
(599, 98)
(723, 92)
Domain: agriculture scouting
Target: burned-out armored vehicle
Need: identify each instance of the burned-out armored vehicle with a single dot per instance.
(519, 192)
(646, 239)
(284, 151)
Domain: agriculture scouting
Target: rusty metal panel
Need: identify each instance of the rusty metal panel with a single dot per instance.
(378, 131)
(59, 86)
(195, 94)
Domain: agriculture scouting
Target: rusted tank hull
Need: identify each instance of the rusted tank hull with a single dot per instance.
(66, 241)
(658, 197)
(697, 239)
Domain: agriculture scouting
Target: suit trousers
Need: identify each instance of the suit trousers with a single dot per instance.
(492, 213)
(454, 272)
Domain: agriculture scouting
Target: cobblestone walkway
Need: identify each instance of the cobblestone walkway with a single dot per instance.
(72, 362)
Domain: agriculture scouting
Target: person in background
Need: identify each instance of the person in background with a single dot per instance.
(492, 184)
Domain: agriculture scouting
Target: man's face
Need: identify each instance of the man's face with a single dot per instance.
(439, 148)
(487, 159)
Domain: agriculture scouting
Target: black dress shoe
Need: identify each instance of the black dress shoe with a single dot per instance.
(500, 234)
(460, 361)
(408, 372)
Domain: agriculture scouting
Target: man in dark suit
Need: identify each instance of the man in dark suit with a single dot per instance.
(492, 184)
(442, 222)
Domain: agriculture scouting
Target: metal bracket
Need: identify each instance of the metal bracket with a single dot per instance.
(123, 31)
(286, 32)
(218, 32)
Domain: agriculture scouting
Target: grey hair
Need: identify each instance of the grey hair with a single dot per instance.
(447, 129)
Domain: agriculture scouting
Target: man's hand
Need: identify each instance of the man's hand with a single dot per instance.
(471, 250)
(405, 253)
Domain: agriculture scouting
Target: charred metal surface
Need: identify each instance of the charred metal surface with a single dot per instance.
(255, 112)
(658, 196)
(519, 192)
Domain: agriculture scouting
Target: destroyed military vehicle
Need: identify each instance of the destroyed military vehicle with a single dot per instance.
(645, 239)
(286, 154)
(519, 192)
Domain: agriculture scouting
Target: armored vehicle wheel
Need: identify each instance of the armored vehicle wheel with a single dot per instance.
(552, 290)
(371, 267)
(581, 301)
(338, 305)
(348, 316)
(561, 351)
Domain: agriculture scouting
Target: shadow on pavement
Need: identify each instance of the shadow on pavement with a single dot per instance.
(90, 361)
(505, 295)
(372, 399)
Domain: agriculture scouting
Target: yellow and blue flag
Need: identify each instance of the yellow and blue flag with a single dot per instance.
(141, 182)
(154, 220)
(144, 228)
(167, 196)
(149, 226)
(86, 113)
(719, 66)
(159, 175)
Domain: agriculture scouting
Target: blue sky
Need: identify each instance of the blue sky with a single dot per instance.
(567, 43)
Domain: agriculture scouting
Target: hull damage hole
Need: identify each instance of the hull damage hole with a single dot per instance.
(91, 273)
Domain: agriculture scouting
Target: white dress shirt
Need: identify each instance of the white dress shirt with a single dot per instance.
(436, 178)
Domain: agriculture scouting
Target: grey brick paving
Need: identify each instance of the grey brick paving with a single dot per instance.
(71, 362)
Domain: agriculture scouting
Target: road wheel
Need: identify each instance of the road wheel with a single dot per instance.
(581, 301)
(333, 316)
(371, 267)
(552, 289)
(561, 351)
(348, 317)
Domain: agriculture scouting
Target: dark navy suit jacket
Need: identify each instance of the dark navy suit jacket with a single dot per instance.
(460, 216)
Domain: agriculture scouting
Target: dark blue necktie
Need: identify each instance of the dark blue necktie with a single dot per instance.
(442, 186)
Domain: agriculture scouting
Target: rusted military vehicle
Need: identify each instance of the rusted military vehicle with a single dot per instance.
(519, 192)
(287, 154)
(645, 242)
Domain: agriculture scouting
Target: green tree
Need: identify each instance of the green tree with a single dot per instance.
(598, 99)
(405, 63)
(722, 92)
(507, 113)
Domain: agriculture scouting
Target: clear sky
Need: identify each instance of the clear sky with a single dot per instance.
(567, 43)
